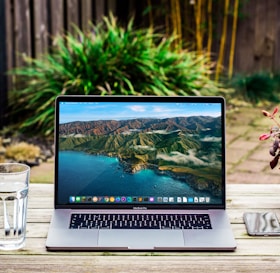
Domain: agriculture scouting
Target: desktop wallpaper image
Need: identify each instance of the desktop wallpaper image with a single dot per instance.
(150, 149)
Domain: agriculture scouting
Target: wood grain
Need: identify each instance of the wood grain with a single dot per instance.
(253, 254)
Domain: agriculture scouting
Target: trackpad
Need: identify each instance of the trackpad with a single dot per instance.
(140, 239)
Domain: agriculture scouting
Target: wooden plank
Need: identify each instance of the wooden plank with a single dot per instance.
(273, 26)
(37, 230)
(73, 17)
(253, 189)
(246, 246)
(264, 35)
(41, 190)
(10, 54)
(40, 27)
(137, 264)
(276, 63)
(56, 17)
(35, 215)
(258, 39)
(99, 11)
(244, 61)
(111, 6)
(3, 62)
(40, 202)
(254, 202)
(22, 30)
(260, 28)
(271, 30)
(86, 14)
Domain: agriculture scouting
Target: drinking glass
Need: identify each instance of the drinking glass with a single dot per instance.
(14, 183)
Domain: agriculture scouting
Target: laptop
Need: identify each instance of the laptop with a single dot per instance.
(140, 173)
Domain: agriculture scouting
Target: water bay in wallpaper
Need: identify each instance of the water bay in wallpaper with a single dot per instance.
(146, 149)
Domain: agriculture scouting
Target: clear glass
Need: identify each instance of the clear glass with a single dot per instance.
(14, 183)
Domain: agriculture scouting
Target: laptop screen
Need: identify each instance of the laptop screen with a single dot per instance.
(140, 151)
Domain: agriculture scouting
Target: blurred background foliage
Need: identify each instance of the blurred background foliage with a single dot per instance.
(151, 47)
(257, 87)
(108, 60)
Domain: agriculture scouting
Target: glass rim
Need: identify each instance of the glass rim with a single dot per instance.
(25, 169)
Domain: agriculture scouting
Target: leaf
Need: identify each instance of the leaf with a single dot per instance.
(266, 113)
(275, 111)
(274, 162)
(264, 136)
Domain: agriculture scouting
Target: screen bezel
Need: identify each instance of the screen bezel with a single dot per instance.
(170, 99)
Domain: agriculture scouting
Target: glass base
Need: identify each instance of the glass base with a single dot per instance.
(12, 246)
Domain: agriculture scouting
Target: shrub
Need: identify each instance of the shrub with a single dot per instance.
(108, 60)
(257, 87)
(23, 152)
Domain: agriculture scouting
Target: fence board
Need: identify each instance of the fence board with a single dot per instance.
(276, 63)
(40, 27)
(258, 39)
(260, 27)
(86, 13)
(262, 38)
(271, 34)
(72, 11)
(3, 64)
(22, 30)
(272, 30)
(9, 34)
(56, 15)
(112, 6)
(244, 55)
(99, 11)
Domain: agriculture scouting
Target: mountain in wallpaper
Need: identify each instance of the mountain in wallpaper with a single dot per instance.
(187, 148)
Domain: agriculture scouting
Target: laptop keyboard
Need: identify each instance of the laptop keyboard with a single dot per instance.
(139, 221)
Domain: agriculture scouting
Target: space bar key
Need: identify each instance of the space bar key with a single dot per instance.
(134, 227)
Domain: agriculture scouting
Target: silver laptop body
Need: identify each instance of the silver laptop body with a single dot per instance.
(140, 173)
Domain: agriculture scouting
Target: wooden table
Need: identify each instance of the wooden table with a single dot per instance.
(252, 255)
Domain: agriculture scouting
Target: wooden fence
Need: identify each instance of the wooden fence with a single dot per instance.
(30, 24)
(258, 37)
(27, 27)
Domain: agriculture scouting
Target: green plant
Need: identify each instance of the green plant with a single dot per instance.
(108, 60)
(257, 87)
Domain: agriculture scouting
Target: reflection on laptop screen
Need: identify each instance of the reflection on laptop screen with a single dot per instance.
(140, 153)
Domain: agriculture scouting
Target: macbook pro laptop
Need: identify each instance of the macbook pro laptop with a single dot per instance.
(140, 173)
